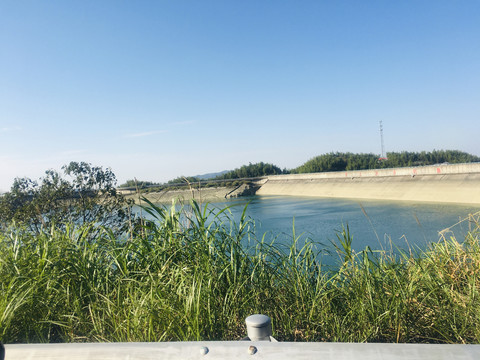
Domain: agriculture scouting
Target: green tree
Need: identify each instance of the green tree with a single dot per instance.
(138, 184)
(83, 194)
(348, 161)
(252, 170)
(181, 180)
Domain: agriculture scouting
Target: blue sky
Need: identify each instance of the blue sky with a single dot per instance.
(159, 89)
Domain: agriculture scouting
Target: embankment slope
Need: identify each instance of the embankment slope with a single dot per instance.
(456, 183)
(184, 195)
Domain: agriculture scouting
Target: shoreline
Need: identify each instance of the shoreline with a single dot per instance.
(446, 183)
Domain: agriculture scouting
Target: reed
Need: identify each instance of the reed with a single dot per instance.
(194, 274)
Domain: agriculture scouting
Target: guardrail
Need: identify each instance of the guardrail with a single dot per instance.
(258, 345)
(242, 350)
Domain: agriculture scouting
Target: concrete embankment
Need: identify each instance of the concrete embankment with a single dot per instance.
(200, 194)
(184, 195)
(456, 183)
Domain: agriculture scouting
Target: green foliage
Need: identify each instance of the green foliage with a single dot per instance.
(336, 162)
(246, 171)
(194, 274)
(84, 194)
(349, 161)
(183, 180)
(429, 158)
(138, 184)
(252, 170)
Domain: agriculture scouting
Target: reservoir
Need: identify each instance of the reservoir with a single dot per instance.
(381, 225)
(384, 209)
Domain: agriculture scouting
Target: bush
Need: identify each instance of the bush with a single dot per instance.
(83, 194)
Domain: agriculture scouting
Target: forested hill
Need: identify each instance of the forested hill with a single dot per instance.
(252, 170)
(246, 171)
(349, 161)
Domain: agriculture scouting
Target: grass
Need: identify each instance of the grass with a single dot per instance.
(195, 274)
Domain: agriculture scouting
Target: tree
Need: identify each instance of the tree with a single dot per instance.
(137, 184)
(251, 170)
(84, 194)
(348, 161)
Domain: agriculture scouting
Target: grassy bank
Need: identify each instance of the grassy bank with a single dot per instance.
(186, 278)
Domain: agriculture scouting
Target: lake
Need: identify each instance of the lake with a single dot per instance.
(381, 225)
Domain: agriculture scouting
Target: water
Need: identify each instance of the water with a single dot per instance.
(381, 225)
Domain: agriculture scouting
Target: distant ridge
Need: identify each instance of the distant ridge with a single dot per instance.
(211, 175)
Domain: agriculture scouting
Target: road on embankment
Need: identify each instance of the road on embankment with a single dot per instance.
(445, 183)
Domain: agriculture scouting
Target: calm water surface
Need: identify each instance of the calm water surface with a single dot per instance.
(377, 224)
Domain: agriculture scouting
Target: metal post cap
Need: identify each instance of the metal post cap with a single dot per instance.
(259, 327)
(258, 320)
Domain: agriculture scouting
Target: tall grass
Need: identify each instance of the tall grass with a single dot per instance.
(196, 274)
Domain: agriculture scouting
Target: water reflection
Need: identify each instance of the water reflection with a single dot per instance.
(378, 224)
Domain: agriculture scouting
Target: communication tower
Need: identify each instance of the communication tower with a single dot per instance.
(383, 156)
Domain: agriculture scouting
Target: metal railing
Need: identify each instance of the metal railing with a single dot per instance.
(258, 345)
(193, 184)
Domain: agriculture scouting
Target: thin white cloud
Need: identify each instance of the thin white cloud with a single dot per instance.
(8, 129)
(143, 134)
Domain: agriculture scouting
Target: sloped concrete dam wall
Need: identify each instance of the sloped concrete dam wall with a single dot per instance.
(459, 183)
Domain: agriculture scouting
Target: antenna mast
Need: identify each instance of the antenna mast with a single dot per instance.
(383, 156)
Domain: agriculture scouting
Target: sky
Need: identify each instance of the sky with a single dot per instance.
(160, 89)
